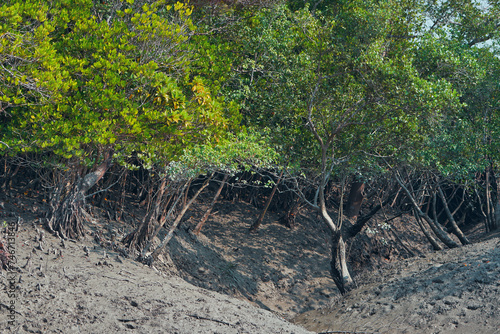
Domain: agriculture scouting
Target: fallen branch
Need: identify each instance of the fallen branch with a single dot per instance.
(10, 309)
(345, 332)
(210, 319)
(119, 279)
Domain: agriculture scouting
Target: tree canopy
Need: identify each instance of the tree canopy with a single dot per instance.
(79, 83)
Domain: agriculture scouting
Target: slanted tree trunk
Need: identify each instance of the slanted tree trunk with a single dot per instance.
(352, 230)
(456, 230)
(260, 219)
(200, 224)
(177, 221)
(138, 238)
(436, 228)
(179, 194)
(430, 238)
(67, 215)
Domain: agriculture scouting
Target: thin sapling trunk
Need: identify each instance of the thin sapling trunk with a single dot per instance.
(260, 219)
(200, 224)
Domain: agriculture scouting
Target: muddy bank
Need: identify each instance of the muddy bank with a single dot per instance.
(83, 288)
(453, 291)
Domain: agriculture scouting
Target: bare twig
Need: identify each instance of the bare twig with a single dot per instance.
(210, 319)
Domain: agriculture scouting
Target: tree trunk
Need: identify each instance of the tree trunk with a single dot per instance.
(166, 216)
(338, 265)
(121, 202)
(339, 270)
(355, 199)
(496, 203)
(68, 214)
(497, 213)
(288, 219)
(170, 234)
(138, 238)
(488, 202)
(456, 230)
(199, 226)
(9, 175)
(259, 220)
(429, 237)
(436, 228)
(355, 228)
(485, 216)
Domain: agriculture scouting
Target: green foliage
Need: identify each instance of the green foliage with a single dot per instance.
(268, 68)
(245, 151)
(124, 84)
(468, 21)
(347, 70)
(460, 50)
(31, 71)
(336, 83)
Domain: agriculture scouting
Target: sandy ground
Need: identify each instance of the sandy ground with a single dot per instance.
(61, 289)
(452, 291)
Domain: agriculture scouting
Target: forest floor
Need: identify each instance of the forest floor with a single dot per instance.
(208, 283)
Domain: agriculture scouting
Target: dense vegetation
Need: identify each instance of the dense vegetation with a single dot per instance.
(398, 97)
